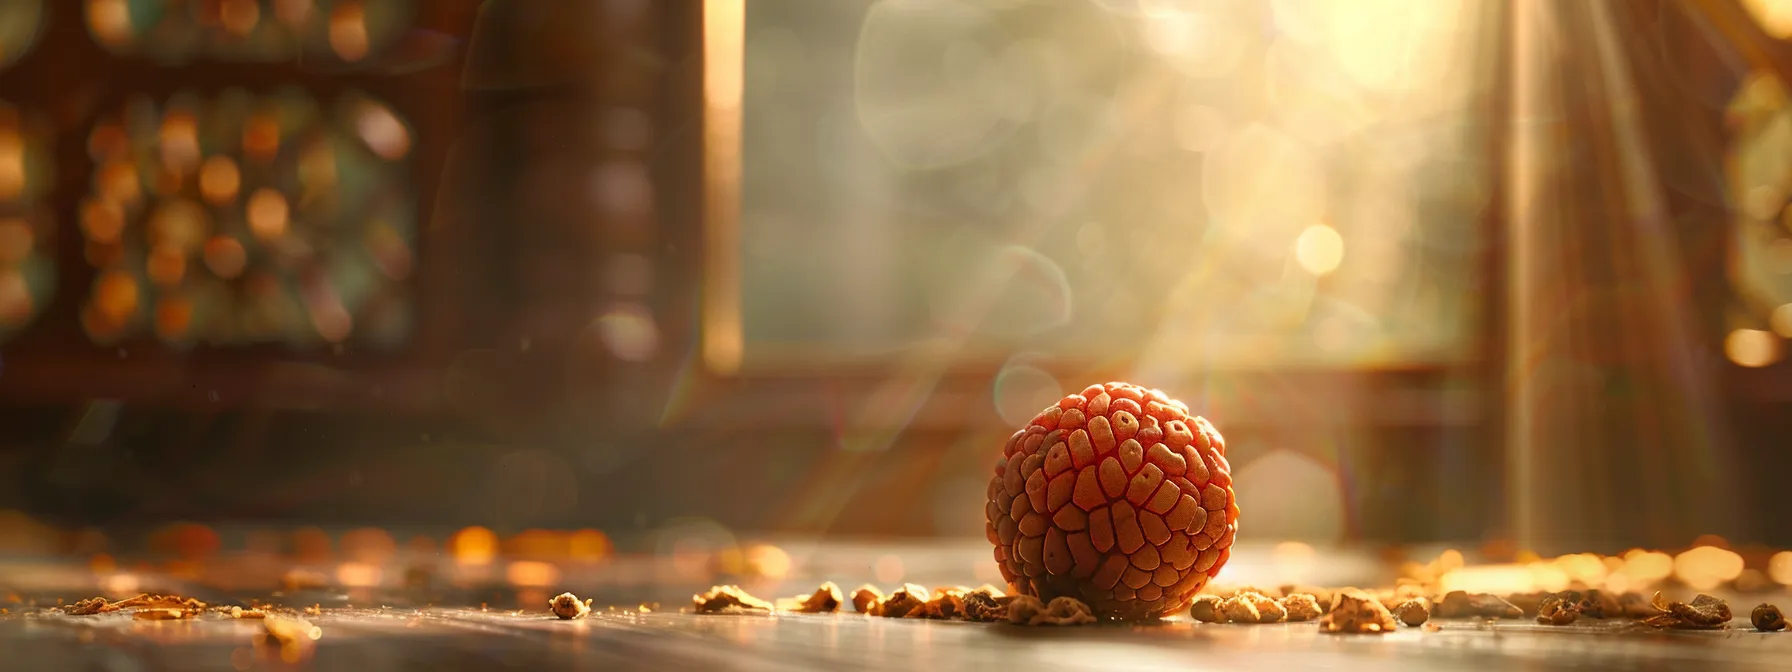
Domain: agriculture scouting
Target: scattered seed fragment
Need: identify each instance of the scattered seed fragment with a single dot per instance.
(1703, 613)
(946, 604)
(1414, 612)
(1207, 609)
(1028, 610)
(866, 598)
(567, 606)
(1301, 607)
(986, 605)
(239, 612)
(99, 605)
(1355, 612)
(728, 600)
(88, 607)
(1240, 609)
(159, 614)
(906, 599)
(1269, 610)
(825, 600)
(1557, 610)
(1597, 603)
(1767, 618)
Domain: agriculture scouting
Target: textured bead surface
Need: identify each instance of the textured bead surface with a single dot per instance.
(1117, 497)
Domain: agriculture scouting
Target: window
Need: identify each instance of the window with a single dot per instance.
(1202, 185)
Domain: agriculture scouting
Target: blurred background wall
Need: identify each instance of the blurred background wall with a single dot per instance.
(1502, 270)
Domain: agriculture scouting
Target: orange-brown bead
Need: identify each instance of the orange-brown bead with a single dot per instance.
(1116, 496)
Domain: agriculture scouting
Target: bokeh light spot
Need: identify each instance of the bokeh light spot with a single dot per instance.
(1319, 249)
(1752, 348)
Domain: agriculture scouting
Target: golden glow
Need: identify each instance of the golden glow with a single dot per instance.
(1707, 567)
(532, 574)
(12, 164)
(473, 546)
(167, 264)
(724, 52)
(180, 141)
(1497, 579)
(1293, 560)
(219, 180)
(118, 182)
(267, 213)
(295, 13)
(115, 296)
(769, 561)
(311, 545)
(1775, 16)
(348, 31)
(225, 256)
(589, 545)
(887, 569)
(382, 131)
(1752, 348)
(1648, 566)
(102, 220)
(110, 21)
(1779, 568)
(1782, 320)
(369, 545)
(174, 317)
(16, 304)
(358, 575)
(239, 16)
(261, 136)
(1319, 249)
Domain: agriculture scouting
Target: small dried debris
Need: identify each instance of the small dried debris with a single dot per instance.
(1321, 595)
(318, 610)
(1432, 627)
(239, 612)
(1414, 612)
(1558, 610)
(89, 607)
(1459, 604)
(946, 604)
(1240, 608)
(1028, 610)
(1599, 604)
(906, 599)
(866, 598)
(1208, 609)
(99, 605)
(986, 605)
(729, 600)
(826, 600)
(1767, 618)
(1301, 607)
(567, 606)
(1269, 609)
(1355, 612)
(1703, 613)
